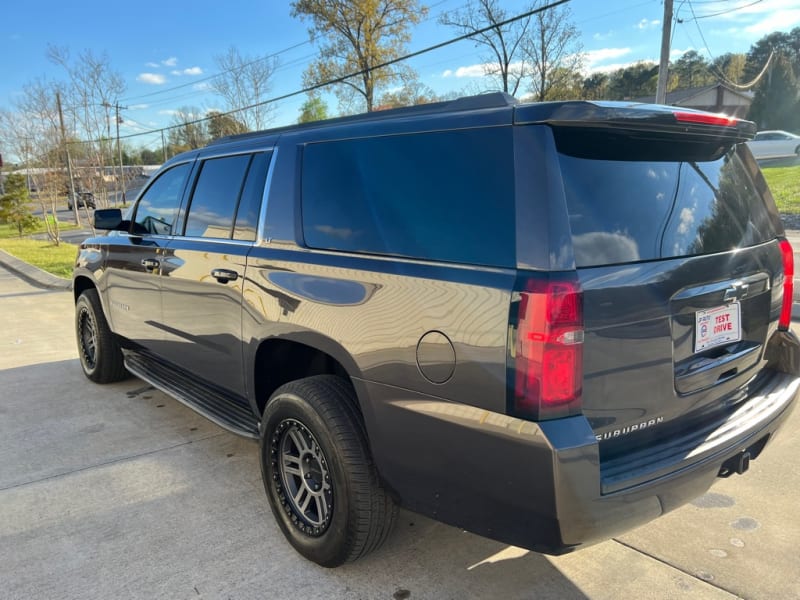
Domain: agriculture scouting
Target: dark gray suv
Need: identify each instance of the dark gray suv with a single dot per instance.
(544, 323)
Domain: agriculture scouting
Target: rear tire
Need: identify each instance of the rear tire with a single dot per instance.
(318, 473)
(98, 349)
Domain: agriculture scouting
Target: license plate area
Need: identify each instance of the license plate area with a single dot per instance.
(717, 326)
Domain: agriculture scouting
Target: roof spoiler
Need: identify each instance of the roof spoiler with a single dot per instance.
(634, 117)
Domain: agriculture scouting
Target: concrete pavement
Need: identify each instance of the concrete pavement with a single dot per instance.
(119, 491)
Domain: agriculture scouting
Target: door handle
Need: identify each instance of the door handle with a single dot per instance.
(150, 264)
(224, 275)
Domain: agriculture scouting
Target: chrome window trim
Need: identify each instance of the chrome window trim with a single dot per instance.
(249, 150)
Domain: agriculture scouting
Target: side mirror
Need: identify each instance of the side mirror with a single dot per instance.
(110, 218)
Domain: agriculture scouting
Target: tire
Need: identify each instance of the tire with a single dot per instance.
(98, 349)
(318, 473)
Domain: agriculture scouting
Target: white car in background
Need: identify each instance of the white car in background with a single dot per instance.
(774, 144)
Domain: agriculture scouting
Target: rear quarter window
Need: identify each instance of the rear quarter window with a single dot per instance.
(445, 196)
(628, 211)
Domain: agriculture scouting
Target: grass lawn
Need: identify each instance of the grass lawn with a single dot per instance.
(57, 260)
(785, 185)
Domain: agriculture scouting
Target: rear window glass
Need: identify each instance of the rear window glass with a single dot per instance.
(445, 196)
(627, 211)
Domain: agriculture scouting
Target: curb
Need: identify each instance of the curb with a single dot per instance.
(33, 275)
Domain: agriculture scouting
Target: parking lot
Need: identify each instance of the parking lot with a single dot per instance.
(121, 492)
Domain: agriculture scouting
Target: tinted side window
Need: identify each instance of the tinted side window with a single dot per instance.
(157, 209)
(250, 203)
(440, 196)
(626, 211)
(216, 195)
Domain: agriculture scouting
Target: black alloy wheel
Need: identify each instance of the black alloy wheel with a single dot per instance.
(304, 477)
(98, 349)
(319, 475)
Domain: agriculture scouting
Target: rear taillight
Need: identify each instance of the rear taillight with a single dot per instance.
(548, 349)
(705, 118)
(785, 319)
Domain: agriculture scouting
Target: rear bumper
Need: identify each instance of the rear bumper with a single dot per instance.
(542, 486)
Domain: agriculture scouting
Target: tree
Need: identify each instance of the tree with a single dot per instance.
(93, 89)
(777, 94)
(14, 204)
(595, 87)
(692, 70)
(567, 84)
(313, 109)
(221, 125)
(188, 130)
(34, 129)
(245, 81)
(635, 81)
(730, 66)
(782, 44)
(356, 36)
(503, 60)
(412, 92)
(552, 49)
(776, 104)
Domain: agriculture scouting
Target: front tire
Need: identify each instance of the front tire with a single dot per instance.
(318, 473)
(98, 349)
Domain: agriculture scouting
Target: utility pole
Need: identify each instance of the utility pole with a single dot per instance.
(119, 152)
(69, 162)
(163, 147)
(663, 66)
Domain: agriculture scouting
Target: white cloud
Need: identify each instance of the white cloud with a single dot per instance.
(138, 106)
(170, 62)
(782, 21)
(478, 70)
(677, 53)
(647, 24)
(168, 112)
(603, 36)
(189, 71)
(592, 57)
(152, 65)
(201, 87)
(151, 78)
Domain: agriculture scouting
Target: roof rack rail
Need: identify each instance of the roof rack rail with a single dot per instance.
(481, 101)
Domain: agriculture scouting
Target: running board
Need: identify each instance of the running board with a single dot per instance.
(225, 410)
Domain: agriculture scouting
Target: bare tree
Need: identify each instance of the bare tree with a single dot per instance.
(244, 81)
(357, 36)
(552, 49)
(33, 131)
(94, 87)
(189, 130)
(503, 59)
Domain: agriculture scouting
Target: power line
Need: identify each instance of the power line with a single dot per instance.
(215, 75)
(353, 74)
(713, 68)
(252, 62)
(724, 12)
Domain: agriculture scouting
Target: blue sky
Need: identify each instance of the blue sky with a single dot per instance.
(158, 46)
